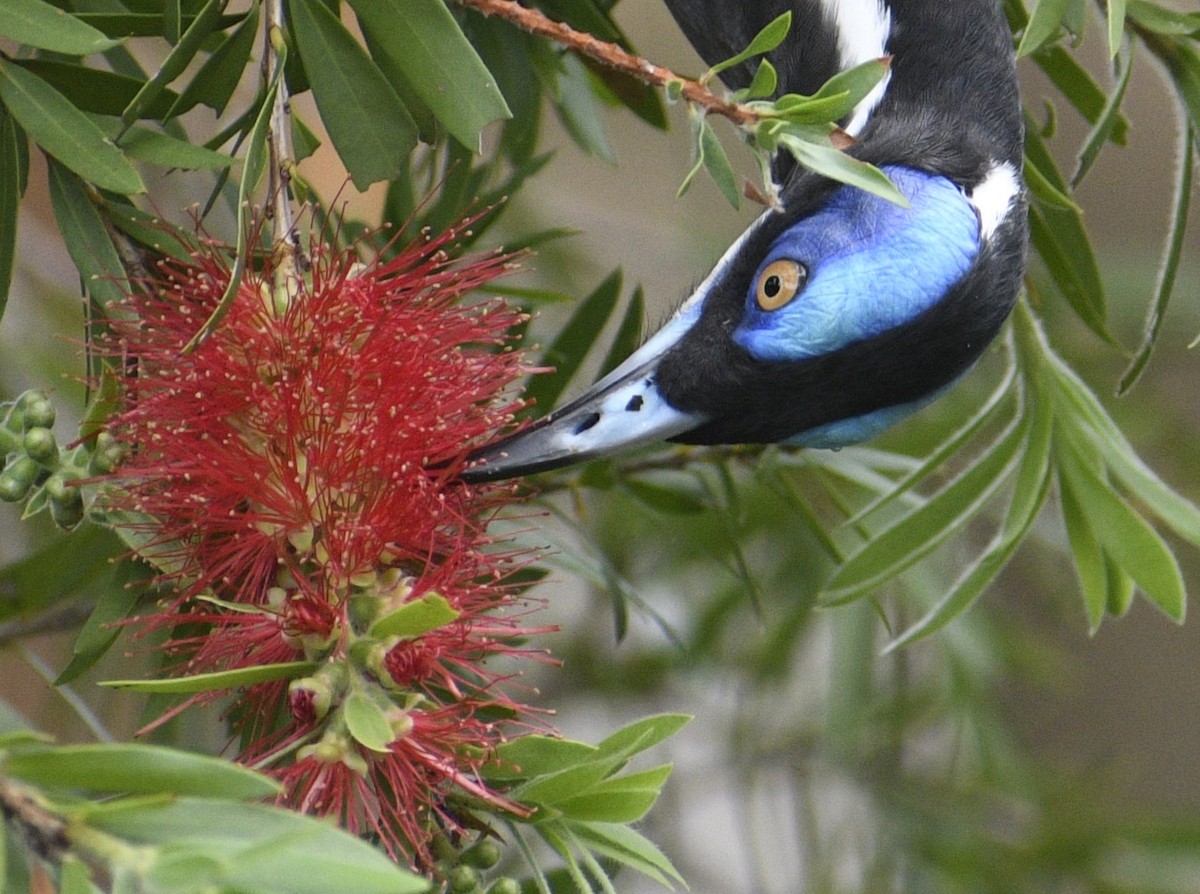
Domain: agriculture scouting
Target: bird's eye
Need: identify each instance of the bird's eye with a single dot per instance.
(780, 282)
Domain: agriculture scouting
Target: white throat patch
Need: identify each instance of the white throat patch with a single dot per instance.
(994, 196)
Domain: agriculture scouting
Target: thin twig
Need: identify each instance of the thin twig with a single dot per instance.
(281, 154)
(613, 56)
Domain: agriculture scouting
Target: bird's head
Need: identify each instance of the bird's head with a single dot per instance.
(839, 312)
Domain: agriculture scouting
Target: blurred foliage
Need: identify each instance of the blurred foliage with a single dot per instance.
(729, 557)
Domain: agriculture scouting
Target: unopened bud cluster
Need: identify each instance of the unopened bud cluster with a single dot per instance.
(466, 868)
(35, 469)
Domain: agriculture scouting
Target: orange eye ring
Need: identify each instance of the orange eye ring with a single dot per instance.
(780, 282)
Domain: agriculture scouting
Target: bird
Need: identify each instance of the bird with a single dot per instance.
(837, 313)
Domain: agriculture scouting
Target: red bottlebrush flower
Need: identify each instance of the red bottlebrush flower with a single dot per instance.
(294, 478)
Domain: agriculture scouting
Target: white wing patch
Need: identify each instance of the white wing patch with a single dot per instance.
(994, 196)
(863, 28)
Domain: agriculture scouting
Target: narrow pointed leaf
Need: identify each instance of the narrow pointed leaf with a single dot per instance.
(1029, 493)
(1088, 556)
(1179, 513)
(918, 533)
(716, 162)
(766, 40)
(214, 84)
(211, 682)
(1080, 89)
(253, 168)
(36, 23)
(166, 151)
(1127, 538)
(837, 165)
(1044, 24)
(629, 847)
(414, 618)
(11, 175)
(87, 240)
(1116, 26)
(366, 723)
(1169, 268)
(568, 351)
(138, 769)
(766, 79)
(65, 132)
(177, 60)
(368, 124)
(423, 40)
(936, 460)
(626, 340)
(1102, 130)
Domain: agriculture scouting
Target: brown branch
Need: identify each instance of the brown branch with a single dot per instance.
(613, 56)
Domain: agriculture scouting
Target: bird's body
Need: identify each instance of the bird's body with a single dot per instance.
(839, 312)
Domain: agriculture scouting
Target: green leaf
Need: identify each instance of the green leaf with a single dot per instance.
(643, 734)
(1060, 237)
(138, 769)
(579, 111)
(568, 351)
(262, 849)
(766, 40)
(1160, 20)
(177, 60)
(74, 877)
(1169, 268)
(368, 124)
(217, 680)
(765, 81)
(1029, 494)
(64, 567)
(168, 152)
(716, 162)
(1043, 25)
(536, 755)
(214, 84)
(837, 165)
(253, 168)
(916, 534)
(12, 173)
(94, 89)
(1102, 130)
(629, 848)
(87, 240)
(628, 336)
(414, 618)
(1090, 565)
(65, 132)
(422, 39)
(1125, 536)
(367, 723)
(1080, 89)
(118, 597)
(936, 461)
(613, 802)
(38, 24)
(142, 24)
(1116, 26)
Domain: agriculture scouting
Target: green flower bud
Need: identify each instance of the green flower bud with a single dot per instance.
(483, 854)
(37, 412)
(39, 443)
(504, 885)
(17, 478)
(462, 880)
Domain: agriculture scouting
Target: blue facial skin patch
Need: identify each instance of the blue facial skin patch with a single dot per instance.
(872, 265)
